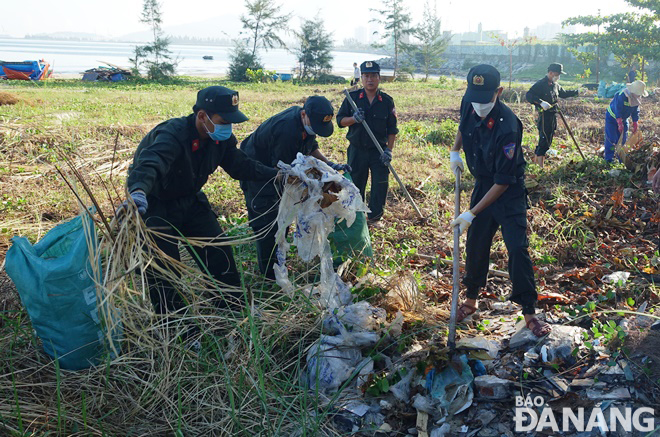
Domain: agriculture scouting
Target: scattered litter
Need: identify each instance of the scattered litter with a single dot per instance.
(598, 393)
(401, 390)
(332, 359)
(558, 346)
(358, 317)
(491, 387)
(452, 387)
(443, 431)
(616, 278)
(479, 347)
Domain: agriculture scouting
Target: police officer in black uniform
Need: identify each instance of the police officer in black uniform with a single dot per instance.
(170, 167)
(281, 138)
(544, 95)
(377, 109)
(491, 136)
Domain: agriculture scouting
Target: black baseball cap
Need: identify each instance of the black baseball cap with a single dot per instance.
(557, 68)
(222, 101)
(320, 113)
(482, 82)
(369, 67)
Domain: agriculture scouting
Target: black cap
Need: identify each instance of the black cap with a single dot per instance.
(369, 67)
(222, 101)
(482, 82)
(320, 113)
(557, 68)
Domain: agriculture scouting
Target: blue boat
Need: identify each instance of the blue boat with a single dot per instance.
(25, 70)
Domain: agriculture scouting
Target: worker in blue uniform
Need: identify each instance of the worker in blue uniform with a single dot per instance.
(491, 136)
(624, 105)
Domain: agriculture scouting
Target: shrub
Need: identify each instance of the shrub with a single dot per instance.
(242, 60)
(445, 135)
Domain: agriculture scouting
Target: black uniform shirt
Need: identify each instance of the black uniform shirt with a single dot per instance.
(280, 138)
(493, 146)
(380, 115)
(548, 91)
(173, 162)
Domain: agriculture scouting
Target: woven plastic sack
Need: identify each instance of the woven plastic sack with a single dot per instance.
(351, 241)
(55, 282)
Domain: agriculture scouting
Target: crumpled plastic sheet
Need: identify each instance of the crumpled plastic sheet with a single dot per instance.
(452, 387)
(334, 358)
(301, 203)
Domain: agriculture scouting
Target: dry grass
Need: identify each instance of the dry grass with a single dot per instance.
(8, 98)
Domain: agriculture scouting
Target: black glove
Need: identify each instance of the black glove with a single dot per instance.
(358, 115)
(140, 200)
(386, 157)
(340, 167)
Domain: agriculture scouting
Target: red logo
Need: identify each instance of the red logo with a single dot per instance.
(491, 123)
(361, 96)
(195, 145)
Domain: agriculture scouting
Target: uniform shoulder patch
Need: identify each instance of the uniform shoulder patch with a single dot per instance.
(510, 150)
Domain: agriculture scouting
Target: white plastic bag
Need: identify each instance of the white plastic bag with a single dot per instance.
(301, 203)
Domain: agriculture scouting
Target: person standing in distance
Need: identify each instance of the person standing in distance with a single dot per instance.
(491, 137)
(544, 95)
(356, 74)
(376, 109)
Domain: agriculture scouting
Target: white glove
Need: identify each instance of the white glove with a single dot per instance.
(545, 105)
(455, 161)
(463, 221)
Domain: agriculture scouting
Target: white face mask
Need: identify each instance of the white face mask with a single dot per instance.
(555, 79)
(483, 109)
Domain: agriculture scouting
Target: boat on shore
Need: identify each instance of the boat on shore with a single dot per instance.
(25, 70)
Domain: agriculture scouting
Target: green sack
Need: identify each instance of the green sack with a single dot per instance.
(353, 241)
(55, 282)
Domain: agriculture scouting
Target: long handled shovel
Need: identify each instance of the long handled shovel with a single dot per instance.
(570, 132)
(456, 257)
(380, 149)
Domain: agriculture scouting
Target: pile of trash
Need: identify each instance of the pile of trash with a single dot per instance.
(112, 73)
(375, 387)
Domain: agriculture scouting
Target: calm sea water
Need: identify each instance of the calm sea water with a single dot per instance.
(68, 57)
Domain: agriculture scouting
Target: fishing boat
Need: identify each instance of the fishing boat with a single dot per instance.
(207, 57)
(25, 70)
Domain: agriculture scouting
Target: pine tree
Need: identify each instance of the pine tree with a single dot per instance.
(314, 49)
(396, 26)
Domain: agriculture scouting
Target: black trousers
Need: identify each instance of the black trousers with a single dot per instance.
(547, 124)
(509, 214)
(191, 217)
(362, 160)
(263, 201)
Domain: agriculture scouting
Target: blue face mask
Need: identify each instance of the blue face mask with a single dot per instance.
(221, 132)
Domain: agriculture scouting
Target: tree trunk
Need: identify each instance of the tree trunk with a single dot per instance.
(254, 46)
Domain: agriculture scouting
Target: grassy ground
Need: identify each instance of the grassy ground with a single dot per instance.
(581, 226)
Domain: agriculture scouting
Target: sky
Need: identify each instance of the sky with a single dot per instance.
(342, 17)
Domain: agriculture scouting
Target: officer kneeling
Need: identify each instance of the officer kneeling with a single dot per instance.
(491, 136)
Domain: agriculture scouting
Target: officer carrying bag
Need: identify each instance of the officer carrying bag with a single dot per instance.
(55, 281)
